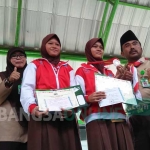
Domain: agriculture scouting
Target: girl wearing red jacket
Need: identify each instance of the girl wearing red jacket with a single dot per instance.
(106, 126)
(48, 72)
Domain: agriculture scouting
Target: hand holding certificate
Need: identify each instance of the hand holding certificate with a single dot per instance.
(108, 84)
(55, 100)
(113, 96)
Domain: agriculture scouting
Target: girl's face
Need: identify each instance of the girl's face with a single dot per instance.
(97, 50)
(53, 47)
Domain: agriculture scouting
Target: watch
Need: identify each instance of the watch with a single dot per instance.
(8, 84)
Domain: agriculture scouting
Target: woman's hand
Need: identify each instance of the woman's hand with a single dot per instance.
(38, 113)
(96, 96)
(14, 75)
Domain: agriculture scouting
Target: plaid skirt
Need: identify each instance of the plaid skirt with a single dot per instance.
(107, 135)
(53, 135)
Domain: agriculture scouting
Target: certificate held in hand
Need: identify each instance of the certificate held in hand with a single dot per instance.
(54, 100)
(117, 90)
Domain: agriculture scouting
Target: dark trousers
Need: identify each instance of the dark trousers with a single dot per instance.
(140, 126)
(13, 146)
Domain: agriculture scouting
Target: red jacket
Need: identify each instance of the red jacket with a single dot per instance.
(48, 78)
(85, 76)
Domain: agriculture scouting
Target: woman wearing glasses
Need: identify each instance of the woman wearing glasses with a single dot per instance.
(13, 125)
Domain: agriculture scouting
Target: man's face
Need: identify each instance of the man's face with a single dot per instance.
(132, 50)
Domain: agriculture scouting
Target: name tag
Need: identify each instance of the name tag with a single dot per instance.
(145, 83)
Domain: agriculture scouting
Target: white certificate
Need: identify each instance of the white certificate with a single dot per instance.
(113, 96)
(54, 100)
(104, 82)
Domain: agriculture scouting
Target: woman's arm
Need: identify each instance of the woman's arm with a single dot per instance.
(4, 92)
(27, 97)
(93, 97)
(80, 81)
(72, 78)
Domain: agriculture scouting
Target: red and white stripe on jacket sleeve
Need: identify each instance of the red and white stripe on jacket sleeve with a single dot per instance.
(27, 97)
(73, 83)
(137, 93)
(80, 81)
(72, 77)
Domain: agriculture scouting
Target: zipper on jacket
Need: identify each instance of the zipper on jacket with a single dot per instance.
(56, 74)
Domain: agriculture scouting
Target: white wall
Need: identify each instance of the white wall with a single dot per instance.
(74, 64)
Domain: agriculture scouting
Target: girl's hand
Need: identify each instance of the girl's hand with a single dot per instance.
(65, 113)
(38, 113)
(97, 96)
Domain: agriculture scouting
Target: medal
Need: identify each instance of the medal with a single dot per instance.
(116, 62)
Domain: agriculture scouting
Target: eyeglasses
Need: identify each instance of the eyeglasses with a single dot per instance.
(15, 56)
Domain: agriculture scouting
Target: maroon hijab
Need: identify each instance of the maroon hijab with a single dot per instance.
(54, 60)
(89, 55)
